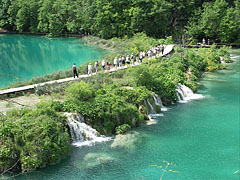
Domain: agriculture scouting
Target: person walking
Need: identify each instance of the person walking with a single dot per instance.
(141, 57)
(162, 48)
(144, 54)
(123, 61)
(149, 54)
(90, 69)
(120, 61)
(154, 52)
(158, 50)
(137, 57)
(132, 59)
(203, 41)
(128, 60)
(96, 66)
(108, 65)
(103, 64)
(74, 70)
(115, 62)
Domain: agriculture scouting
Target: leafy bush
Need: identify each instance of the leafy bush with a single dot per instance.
(169, 40)
(122, 129)
(80, 91)
(35, 137)
(109, 110)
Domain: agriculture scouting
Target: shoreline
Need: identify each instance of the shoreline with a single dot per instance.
(7, 32)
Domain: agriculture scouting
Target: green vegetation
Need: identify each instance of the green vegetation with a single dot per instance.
(218, 20)
(33, 138)
(106, 106)
(112, 103)
(139, 42)
(122, 129)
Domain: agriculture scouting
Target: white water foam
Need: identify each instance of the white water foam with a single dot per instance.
(151, 107)
(81, 133)
(158, 102)
(153, 115)
(234, 57)
(185, 94)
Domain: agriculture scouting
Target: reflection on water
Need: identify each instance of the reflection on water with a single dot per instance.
(24, 57)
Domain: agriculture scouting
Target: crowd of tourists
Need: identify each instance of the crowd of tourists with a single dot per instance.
(123, 61)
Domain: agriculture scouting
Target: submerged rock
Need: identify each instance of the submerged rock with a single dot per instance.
(127, 141)
(95, 159)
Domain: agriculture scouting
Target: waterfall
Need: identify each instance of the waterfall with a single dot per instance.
(180, 95)
(185, 94)
(151, 107)
(152, 115)
(158, 102)
(81, 133)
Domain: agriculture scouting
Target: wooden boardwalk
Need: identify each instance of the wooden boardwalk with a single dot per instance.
(218, 45)
(168, 49)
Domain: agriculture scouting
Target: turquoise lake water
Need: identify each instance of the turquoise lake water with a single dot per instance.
(23, 57)
(201, 137)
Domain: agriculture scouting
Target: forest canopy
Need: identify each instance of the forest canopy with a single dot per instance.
(218, 20)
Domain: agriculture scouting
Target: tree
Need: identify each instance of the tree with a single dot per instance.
(216, 21)
(229, 26)
(24, 15)
(54, 15)
(4, 5)
(180, 12)
(150, 17)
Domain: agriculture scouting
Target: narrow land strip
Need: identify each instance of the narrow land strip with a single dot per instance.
(168, 49)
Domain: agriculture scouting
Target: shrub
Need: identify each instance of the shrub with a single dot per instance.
(169, 40)
(80, 91)
(122, 129)
(34, 147)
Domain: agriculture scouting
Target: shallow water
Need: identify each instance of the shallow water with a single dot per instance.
(201, 137)
(23, 57)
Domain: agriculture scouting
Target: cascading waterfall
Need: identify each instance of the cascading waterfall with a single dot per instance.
(152, 114)
(158, 102)
(151, 107)
(81, 133)
(180, 95)
(185, 94)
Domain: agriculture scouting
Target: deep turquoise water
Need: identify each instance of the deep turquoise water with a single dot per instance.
(201, 137)
(23, 57)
